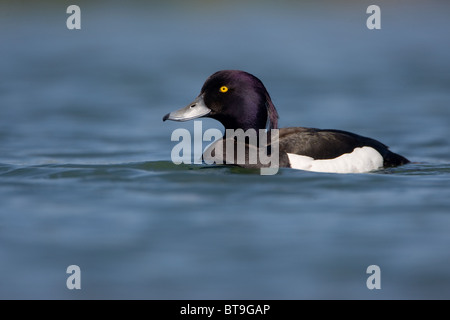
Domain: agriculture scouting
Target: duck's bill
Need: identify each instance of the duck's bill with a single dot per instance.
(194, 110)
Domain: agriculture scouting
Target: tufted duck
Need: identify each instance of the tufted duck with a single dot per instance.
(239, 100)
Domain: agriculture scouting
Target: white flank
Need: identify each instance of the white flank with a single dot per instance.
(361, 160)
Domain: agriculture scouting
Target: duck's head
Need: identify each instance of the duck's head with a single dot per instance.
(236, 98)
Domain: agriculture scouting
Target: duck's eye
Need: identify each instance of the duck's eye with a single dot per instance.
(223, 89)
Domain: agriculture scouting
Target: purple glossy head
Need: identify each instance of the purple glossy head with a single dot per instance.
(236, 98)
(239, 100)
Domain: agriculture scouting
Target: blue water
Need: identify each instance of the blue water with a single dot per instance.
(86, 177)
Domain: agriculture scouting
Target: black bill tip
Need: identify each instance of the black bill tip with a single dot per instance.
(166, 117)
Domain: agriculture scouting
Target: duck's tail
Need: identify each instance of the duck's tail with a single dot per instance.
(392, 159)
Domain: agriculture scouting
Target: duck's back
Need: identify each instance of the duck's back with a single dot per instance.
(330, 149)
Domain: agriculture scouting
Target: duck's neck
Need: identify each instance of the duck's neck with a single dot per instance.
(256, 117)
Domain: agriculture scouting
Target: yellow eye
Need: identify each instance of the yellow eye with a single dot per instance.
(223, 89)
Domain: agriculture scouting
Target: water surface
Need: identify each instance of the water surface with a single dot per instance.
(86, 176)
